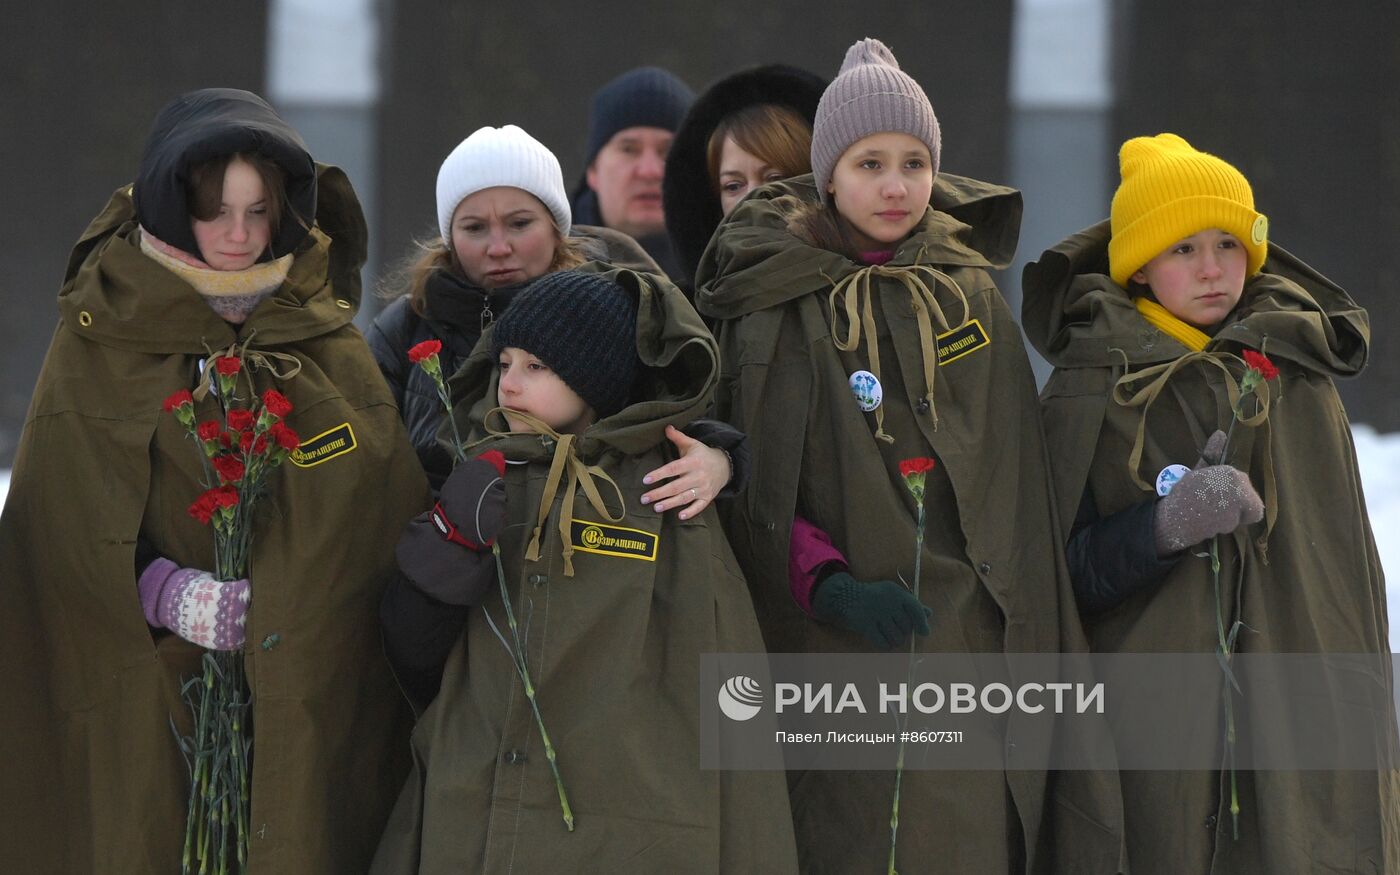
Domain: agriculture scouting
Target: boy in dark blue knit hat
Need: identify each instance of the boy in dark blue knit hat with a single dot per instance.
(567, 352)
(630, 126)
(613, 605)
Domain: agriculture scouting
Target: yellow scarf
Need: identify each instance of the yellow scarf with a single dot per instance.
(1188, 336)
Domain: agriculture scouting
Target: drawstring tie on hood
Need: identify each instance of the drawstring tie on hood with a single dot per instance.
(1156, 378)
(859, 313)
(578, 474)
(252, 360)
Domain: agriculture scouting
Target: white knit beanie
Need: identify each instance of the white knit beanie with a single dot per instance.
(501, 156)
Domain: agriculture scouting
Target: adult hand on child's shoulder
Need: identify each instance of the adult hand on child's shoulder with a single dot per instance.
(692, 481)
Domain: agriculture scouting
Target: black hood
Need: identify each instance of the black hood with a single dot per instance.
(205, 124)
(692, 206)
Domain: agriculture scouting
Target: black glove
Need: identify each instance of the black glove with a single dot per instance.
(883, 611)
(446, 552)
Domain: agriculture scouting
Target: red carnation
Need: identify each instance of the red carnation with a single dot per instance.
(260, 445)
(225, 496)
(230, 468)
(276, 403)
(228, 365)
(245, 441)
(203, 507)
(209, 431)
(1257, 361)
(426, 349)
(285, 437)
(920, 465)
(179, 399)
(240, 419)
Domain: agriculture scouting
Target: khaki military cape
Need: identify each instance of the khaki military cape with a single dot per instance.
(992, 569)
(613, 651)
(93, 780)
(1321, 589)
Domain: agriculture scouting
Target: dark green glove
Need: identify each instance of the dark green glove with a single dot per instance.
(883, 611)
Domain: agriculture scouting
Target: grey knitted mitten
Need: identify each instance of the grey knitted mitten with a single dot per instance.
(1209, 500)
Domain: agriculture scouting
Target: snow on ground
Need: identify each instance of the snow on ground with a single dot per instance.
(1379, 457)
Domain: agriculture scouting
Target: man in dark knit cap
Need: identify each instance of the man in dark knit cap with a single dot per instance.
(630, 127)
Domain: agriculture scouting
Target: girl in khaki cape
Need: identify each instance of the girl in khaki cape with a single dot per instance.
(836, 282)
(100, 563)
(1145, 318)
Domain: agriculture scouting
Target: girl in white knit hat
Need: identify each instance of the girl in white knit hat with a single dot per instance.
(859, 329)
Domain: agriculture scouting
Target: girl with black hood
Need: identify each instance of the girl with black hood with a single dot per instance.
(231, 234)
(747, 129)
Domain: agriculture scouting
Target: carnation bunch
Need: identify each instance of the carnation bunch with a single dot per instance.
(239, 449)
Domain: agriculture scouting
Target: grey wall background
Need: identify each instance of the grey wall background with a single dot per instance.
(1303, 99)
(80, 83)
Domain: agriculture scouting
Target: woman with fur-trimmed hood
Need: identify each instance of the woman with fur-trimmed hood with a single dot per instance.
(748, 129)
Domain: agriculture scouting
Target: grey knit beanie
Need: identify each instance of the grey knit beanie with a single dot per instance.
(869, 96)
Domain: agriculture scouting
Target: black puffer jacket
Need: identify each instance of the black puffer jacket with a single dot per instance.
(455, 313)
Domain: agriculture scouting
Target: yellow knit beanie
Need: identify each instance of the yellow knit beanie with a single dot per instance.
(1170, 191)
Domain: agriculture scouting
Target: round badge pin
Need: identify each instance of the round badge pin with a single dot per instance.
(867, 390)
(1167, 477)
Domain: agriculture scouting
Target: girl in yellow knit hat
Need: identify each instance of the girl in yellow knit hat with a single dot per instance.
(1173, 441)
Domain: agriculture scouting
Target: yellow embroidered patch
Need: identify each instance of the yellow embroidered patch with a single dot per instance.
(325, 446)
(953, 345)
(591, 537)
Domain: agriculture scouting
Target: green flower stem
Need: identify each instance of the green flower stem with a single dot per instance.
(899, 763)
(1247, 387)
(517, 652)
(1227, 691)
(894, 810)
(446, 399)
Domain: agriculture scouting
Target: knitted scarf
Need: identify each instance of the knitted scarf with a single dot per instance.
(1188, 336)
(233, 294)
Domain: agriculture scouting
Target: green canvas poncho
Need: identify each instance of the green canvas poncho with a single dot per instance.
(613, 650)
(956, 384)
(1321, 589)
(93, 780)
